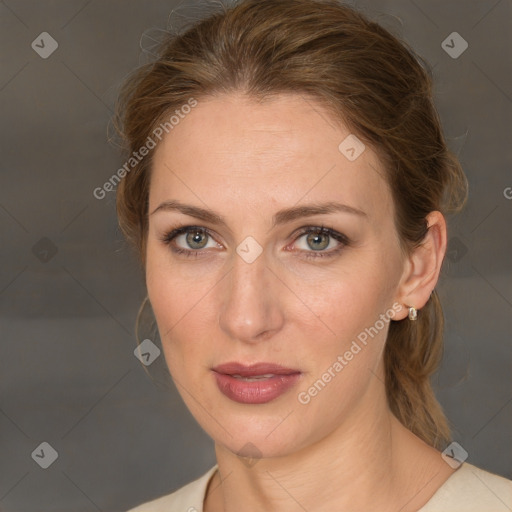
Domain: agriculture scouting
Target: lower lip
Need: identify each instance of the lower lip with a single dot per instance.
(255, 392)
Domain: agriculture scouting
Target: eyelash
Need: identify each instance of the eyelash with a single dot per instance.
(343, 240)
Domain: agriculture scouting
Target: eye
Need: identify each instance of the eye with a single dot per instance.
(189, 240)
(318, 241)
(311, 241)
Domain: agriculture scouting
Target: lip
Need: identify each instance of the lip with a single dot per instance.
(253, 370)
(259, 391)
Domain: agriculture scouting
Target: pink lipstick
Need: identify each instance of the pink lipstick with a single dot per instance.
(254, 384)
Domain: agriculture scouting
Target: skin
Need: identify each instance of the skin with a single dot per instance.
(245, 161)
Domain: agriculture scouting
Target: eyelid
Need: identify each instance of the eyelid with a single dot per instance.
(168, 236)
(323, 230)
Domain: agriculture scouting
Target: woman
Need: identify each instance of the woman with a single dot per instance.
(288, 185)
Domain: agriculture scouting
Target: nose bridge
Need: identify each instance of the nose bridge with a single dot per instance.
(250, 307)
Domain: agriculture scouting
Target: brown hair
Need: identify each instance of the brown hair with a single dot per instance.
(368, 79)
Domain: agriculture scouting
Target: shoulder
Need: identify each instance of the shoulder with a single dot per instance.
(189, 498)
(471, 489)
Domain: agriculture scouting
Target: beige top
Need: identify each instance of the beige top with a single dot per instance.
(469, 489)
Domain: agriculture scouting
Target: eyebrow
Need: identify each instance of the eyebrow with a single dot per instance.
(281, 217)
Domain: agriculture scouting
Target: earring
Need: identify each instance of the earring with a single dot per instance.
(413, 313)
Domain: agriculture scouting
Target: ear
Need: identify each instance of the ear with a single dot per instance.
(423, 266)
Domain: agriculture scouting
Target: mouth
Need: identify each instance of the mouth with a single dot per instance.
(254, 384)
(255, 378)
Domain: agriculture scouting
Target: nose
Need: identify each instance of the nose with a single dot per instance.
(251, 310)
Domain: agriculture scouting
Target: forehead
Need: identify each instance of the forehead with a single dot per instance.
(232, 151)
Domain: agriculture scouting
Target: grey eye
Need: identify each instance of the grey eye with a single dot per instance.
(317, 241)
(196, 239)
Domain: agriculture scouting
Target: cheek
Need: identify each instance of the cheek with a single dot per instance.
(344, 346)
(346, 300)
(178, 302)
(348, 310)
(347, 316)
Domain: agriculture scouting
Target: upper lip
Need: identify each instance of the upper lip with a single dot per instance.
(253, 370)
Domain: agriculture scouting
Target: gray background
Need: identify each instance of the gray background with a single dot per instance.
(70, 288)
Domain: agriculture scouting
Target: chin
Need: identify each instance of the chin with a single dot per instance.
(256, 445)
(256, 431)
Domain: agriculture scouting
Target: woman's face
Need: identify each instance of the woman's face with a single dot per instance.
(290, 258)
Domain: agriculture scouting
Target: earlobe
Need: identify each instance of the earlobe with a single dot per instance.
(424, 267)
